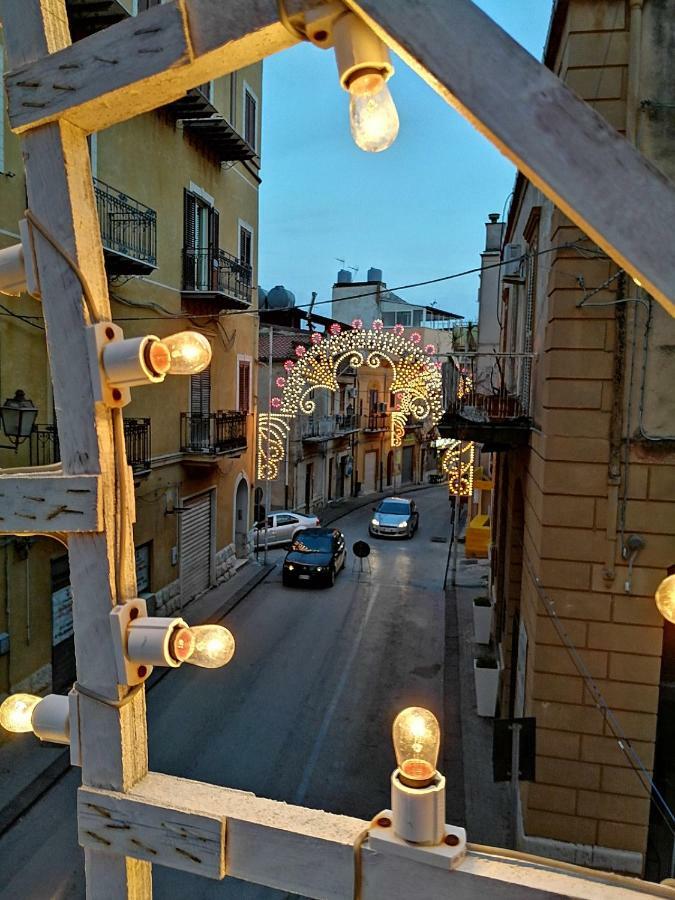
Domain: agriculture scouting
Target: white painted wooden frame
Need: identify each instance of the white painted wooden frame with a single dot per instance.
(565, 147)
(35, 503)
(57, 94)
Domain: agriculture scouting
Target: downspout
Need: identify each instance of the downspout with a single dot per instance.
(617, 415)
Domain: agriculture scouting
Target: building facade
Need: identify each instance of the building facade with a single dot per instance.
(584, 503)
(177, 197)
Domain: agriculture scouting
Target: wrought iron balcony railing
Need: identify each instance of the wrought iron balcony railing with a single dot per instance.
(490, 398)
(316, 428)
(209, 271)
(45, 449)
(217, 432)
(137, 441)
(128, 231)
(375, 422)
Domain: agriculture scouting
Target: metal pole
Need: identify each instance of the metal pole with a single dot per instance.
(267, 471)
(515, 777)
(455, 527)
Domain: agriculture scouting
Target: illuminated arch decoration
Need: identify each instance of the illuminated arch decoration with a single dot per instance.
(416, 383)
(457, 463)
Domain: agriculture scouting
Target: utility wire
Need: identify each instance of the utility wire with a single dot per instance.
(623, 742)
(402, 287)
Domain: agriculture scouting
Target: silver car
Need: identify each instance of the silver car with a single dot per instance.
(282, 527)
(394, 517)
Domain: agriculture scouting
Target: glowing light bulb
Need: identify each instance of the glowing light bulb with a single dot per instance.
(208, 646)
(372, 113)
(665, 598)
(16, 712)
(416, 735)
(184, 353)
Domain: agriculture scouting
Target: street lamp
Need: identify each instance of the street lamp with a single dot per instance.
(17, 415)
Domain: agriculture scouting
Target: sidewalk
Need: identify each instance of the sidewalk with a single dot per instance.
(487, 803)
(29, 768)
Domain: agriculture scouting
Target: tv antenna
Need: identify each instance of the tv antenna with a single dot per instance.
(344, 265)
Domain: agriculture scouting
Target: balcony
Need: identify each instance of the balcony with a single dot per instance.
(326, 428)
(201, 119)
(137, 442)
(212, 435)
(215, 275)
(44, 448)
(376, 422)
(87, 16)
(128, 231)
(492, 400)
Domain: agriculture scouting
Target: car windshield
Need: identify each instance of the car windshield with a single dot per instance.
(394, 508)
(313, 543)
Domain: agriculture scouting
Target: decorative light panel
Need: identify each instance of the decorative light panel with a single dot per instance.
(416, 381)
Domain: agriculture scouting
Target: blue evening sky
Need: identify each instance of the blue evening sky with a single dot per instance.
(416, 211)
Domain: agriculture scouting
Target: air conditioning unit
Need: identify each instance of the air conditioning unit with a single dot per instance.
(351, 392)
(513, 269)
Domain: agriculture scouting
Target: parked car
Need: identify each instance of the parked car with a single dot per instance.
(394, 517)
(282, 527)
(317, 554)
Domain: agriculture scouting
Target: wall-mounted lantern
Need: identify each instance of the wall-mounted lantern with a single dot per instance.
(17, 417)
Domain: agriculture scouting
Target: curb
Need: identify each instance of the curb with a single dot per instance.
(61, 765)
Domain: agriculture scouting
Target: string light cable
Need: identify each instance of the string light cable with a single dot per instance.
(605, 710)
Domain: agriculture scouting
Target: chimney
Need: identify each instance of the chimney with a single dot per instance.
(493, 233)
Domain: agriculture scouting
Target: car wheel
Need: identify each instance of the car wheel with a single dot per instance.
(286, 581)
(331, 577)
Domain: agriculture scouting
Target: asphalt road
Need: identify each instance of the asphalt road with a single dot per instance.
(302, 714)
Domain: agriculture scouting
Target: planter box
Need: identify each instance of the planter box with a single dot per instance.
(487, 684)
(482, 620)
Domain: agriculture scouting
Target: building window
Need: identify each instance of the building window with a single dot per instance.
(417, 317)
(245, 246)
(250, 117)
(201, 225)
(244, 386)
(146, 4)
(389, 319)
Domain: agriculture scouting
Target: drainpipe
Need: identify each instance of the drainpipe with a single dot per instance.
(615, 435)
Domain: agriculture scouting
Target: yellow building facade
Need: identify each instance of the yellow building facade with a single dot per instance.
(177, 196)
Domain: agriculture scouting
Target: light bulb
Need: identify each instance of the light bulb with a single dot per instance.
(16, 712)
(416, 735)
(184, 353)
(665, 598)
(372, 113)
(208, 646)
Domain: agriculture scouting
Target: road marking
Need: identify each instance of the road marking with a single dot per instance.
(299, 795)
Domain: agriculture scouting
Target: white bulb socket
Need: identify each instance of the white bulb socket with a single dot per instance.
(359, 51)
(17, 266)
(149, 641)
(51, 719)
(418, 814)
(126, 362)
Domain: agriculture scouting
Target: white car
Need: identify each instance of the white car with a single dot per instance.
(282, 527)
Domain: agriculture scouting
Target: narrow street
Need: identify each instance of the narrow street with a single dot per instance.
(302, 714)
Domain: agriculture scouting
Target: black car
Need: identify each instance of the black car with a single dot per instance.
(317, 554)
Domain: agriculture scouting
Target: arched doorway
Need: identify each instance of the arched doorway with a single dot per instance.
(390, 468)
(241, 519)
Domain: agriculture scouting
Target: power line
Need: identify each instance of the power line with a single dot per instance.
(164, 313)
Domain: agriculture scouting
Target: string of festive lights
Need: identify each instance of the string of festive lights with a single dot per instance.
(416, 382)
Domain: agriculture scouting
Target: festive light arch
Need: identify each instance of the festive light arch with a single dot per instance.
(416, 383)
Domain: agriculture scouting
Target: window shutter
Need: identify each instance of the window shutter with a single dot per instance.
(189, 256)
(244, 386)
(250, 120)
(200, 393)
(214, 237)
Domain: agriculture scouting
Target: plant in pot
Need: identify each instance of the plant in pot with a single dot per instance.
(486, 677)
(482, 619)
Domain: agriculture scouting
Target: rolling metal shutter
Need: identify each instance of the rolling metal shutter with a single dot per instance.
(196, 546)
(370, 472)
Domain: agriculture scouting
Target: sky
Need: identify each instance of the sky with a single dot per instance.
(416, 211)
